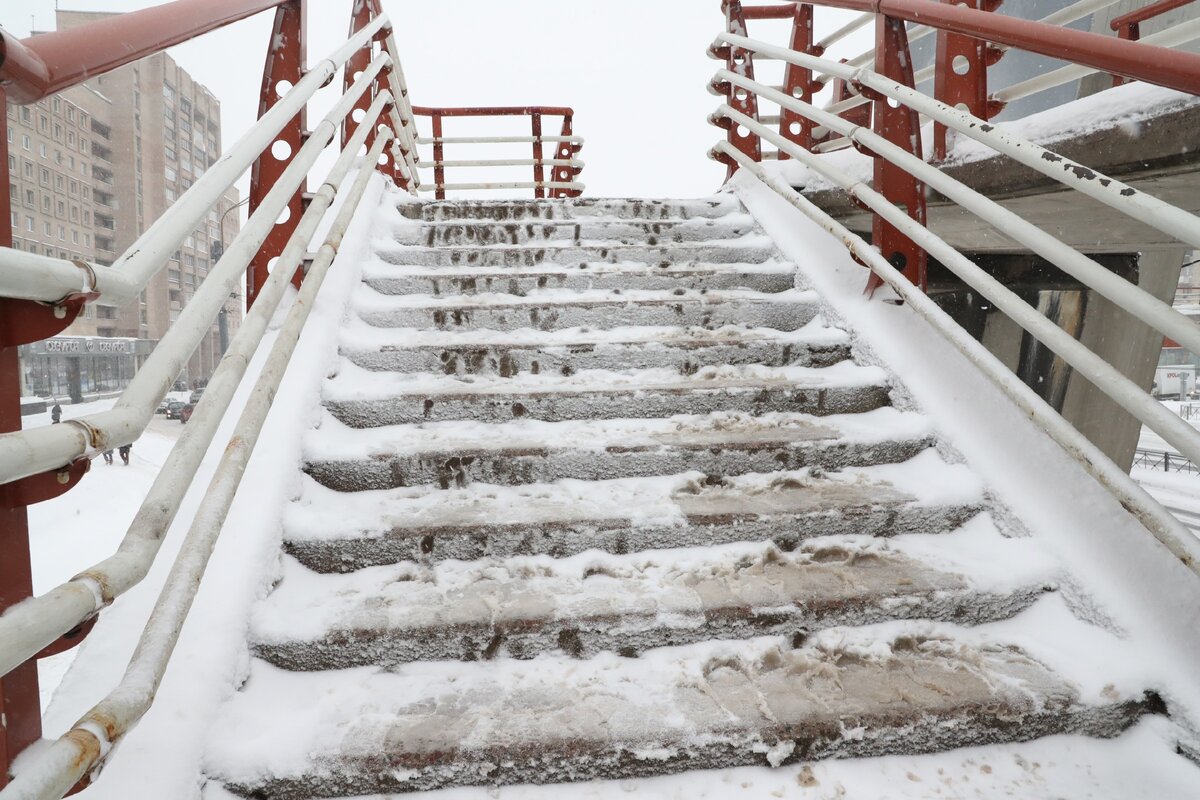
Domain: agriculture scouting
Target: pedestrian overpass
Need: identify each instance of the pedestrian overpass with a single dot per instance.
(831, 465)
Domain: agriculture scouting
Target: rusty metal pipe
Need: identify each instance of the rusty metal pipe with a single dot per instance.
(1162, 66)
(39, 66)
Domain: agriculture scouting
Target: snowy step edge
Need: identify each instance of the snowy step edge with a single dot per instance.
(353, 383)
(366, 299)
(895, 688)
(331, 531)
(359, 336)
(525, 607)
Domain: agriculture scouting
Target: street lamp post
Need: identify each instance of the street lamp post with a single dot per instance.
(216, 250)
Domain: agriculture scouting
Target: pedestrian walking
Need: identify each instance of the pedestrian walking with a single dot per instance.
(108, 458)
(56, 414)
(124, 451)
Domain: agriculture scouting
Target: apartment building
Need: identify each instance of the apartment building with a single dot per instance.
(92, 168)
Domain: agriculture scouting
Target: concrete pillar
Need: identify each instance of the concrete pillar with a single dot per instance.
(1129, 345)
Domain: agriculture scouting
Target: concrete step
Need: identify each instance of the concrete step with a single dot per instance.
(844, 693)
(390, 279)
(524, 608)
(553, 309)
(571, 350)
(513, 210)
(729, 443)
(364, 399)
(459, 233)
(746, 249)
(331, 531)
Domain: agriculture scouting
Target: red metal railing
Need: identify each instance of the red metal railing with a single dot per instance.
(969, 40)
(564, 167)
(1129, 26)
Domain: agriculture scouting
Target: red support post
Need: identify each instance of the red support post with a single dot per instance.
(900, 126)
(361, 14)
(539, 171)
(960, 78)
(20, 700)
(798, 81)
(566, 151)
(740, 62)
(439, 156)
(22, 321)
(286, 58)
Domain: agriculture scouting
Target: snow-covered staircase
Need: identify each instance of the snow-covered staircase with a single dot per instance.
(598, 493)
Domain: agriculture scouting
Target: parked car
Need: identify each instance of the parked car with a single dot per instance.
(175, 409)
(185, 413)
(196, 395)
(162, 407)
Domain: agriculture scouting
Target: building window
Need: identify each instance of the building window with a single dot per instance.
(47, 230)
(172, 176)
(173, 275)
(62, 236)
(75, 237)
(25, 141)
(29, 224)
(42, 149)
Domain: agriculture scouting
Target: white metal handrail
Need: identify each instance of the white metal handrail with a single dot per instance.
(27, 628)
(1129, 296)
(1124, 294)
(21, 277)
(1063, 16)
(38, 450)
(1113, 193)
(52, 771)
(1161, 524)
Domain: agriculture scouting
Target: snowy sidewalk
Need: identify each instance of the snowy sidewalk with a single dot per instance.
(71, 533)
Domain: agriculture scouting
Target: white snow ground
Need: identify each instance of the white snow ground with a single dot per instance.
(72, 532)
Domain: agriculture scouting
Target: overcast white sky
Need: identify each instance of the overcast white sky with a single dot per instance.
(635, 71)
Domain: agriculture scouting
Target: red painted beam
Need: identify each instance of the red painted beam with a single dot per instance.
(1149, 12)
(1162, 66)
(785, 11)
(33, 68)
(493, 111)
